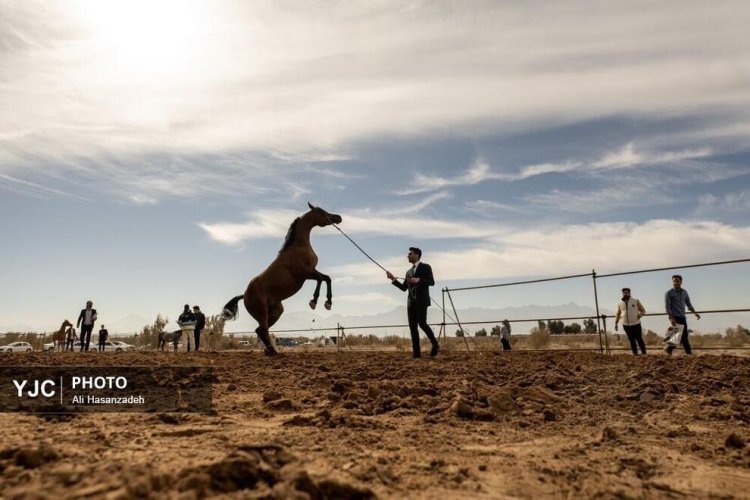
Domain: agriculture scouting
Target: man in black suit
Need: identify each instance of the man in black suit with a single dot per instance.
(200, 324)
(417, 282)
(88, 318)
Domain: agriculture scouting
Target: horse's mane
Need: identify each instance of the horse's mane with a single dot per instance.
(290, 234)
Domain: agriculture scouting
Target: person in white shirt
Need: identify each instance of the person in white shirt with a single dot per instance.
(630, 310)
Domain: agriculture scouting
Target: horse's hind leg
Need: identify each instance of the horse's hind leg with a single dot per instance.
(266, 339)
(261, 311)
(274, 313)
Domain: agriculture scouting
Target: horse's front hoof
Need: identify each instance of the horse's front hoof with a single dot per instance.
(270, 351)
(313, 304)
(328, 305)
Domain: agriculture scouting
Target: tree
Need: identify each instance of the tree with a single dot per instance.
(555, 327)
(459, 333)
(215, 324)
(572, 328)
(481, 333)
(495, 332)
(542, 326)
(589, 326)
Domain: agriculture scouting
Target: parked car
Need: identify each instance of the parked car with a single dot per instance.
(17, 347)
(286, 342)
(109, 346)
(49, 346)
(245, 344)
(122, 346)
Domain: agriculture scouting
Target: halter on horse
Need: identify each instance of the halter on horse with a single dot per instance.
(284, 277)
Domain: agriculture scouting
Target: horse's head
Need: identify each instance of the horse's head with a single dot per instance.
(322, 218)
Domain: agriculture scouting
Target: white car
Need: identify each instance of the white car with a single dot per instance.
(109, 346)
(17, 347)
(123, 345)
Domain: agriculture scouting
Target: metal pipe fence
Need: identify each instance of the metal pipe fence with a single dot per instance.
(604, 346)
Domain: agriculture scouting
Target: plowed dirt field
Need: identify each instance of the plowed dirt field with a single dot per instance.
(376, 424)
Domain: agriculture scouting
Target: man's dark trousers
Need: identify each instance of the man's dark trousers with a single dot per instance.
(681, 320)
(418, 316)
(197, 336)
(635, 335)
(86, 336)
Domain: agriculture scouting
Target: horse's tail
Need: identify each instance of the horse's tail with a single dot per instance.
(231, 309)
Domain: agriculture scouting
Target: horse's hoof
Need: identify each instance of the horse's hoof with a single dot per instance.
(328, 305)
(313, 303)
(270, 352)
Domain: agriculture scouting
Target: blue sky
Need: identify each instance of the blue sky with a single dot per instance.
(153, 154)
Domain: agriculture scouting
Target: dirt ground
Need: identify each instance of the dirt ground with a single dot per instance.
(379, 424)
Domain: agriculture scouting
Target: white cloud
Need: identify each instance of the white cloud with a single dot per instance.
(625, 157)
(391, 222)
(732, 202)
(573, 249)
(262, 224)
(207, 78)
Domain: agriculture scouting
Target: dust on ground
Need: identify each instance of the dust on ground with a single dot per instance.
(377, 424)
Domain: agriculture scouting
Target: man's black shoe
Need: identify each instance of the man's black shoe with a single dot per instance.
(435, 350)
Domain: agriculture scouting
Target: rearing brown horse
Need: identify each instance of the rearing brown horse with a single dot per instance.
(285, 276)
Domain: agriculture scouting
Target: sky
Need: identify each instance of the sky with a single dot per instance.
(153, 153)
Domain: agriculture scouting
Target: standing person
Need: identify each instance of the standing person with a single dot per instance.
(86, 321)
(675, 301)
(103, 334)
(200, 324)
(186, 321)
(505, 335)
(631, 310)
(417, 281)
(70, 338)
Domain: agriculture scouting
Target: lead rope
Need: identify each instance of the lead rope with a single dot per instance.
(384, 269)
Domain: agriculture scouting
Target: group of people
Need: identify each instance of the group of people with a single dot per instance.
(630, 310)
(192, 324)
(676, 301)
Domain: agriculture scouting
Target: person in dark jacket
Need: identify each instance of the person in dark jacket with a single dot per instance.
(417, 281)
(186, 321)
(103, 334)
(85, 322)
(200, 324)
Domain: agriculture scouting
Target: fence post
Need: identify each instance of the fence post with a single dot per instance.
(606, 341)
(463, 332)
(445, 328)
(596, 298)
